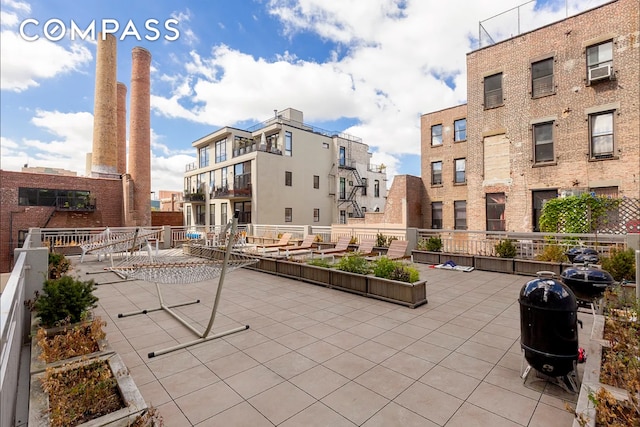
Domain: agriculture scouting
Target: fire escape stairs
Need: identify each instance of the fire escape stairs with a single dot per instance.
(358, 184)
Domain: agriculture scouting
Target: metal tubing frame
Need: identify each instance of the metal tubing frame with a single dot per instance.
(204, 336)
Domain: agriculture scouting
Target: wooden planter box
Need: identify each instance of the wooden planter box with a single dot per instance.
(134, 404)
(350, 282)
(316, 275)
(288, 269)
(460, 259)
(266, 265)
(531, 267)
(410, 294)
(500, 265)
(425, 257)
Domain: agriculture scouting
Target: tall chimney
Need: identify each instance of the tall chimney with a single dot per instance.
(104, 154)
(122, 128)
(140, 135)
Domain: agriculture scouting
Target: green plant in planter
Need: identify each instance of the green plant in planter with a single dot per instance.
(621, 264)
(433, 244)
(58, 265)
(552, 253)
(395, 270)
(383, 241)
(506, 249)
(354, 264)
(319, 262)
(64, 300)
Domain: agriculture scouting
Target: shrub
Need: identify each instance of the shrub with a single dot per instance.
(621, 264)
(433, 244)
(64, 299)
(318, 239)
(58, 265)
(319, 262)
(353, 240)
(552, 253)
(354, 263)
(383, 241)
(395, 270)
(506, 249)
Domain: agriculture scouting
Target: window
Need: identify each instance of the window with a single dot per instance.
(203, 156)
(343, 217)
(49, 197)
(601, 135)
(288, 214)
(542, 78)
(376, 188)
(364, 186)
(436, 173)
(212, 214)
(288, 143)
(436, 135)
(288, 176)
(436, 215)
(543, 142)
(212, 180)
(224, 182)
(316, 215)
(460, 129)
(343, 157)
(325, 145)
(316, 181)
(493, 91)
(539, 197)
(221, 150)
(223, 213)
(188, 209)
(343, 189)
(460, 214)
(201, 214)
(495, 211)
(599, 61)
(460, 168)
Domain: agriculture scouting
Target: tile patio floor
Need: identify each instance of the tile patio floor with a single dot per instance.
(320, 357)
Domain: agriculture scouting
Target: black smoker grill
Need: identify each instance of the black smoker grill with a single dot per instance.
(548, 329)
(587, 282)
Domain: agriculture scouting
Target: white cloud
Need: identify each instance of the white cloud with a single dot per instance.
(8, 19)
(25, 63)
(17, 5)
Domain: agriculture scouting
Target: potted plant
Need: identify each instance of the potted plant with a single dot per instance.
(428, 250)
(397, 282)
(503, 263)
(550, 259)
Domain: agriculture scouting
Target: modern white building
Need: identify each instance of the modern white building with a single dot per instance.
(282, 171)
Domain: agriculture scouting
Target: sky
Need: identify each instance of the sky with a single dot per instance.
(369, 68)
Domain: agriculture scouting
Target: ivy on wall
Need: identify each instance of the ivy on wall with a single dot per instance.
(577, 214)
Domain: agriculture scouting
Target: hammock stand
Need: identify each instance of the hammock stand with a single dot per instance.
(193, 263)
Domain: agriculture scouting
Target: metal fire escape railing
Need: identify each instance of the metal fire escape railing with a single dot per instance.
(358, 184)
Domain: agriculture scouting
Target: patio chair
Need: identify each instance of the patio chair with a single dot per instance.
(397, 250)
(342, 246)
(305, 246)
(365, 249)
(284, 241)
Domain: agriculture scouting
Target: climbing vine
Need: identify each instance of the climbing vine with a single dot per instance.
(576, 214)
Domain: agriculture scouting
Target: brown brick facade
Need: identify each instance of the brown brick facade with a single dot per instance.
(13, 217)
(500, 141)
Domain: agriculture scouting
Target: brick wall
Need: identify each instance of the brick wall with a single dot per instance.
(403, 205)
(160, 218)
(13, 217)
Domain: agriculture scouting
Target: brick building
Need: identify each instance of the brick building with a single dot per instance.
(550, 112)
(53, 201)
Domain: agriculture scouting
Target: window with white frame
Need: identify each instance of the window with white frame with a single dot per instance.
(460, 129)
(436, 135)
(460, 176)
(436, 173)
(600, 61)
(601, 135)
(543, 142)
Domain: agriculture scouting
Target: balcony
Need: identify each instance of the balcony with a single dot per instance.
(76, 204)
(196, 197)
(243, 192)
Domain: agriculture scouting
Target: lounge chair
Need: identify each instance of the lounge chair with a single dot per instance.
(365, 249)
(397, 250)
(284, 241)
(342, 246)
(305, 246)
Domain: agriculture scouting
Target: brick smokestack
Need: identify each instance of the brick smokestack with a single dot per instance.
(104, 155)
(122, 128)
(140, 135)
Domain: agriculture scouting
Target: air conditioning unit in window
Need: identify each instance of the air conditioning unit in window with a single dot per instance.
(600, 73)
